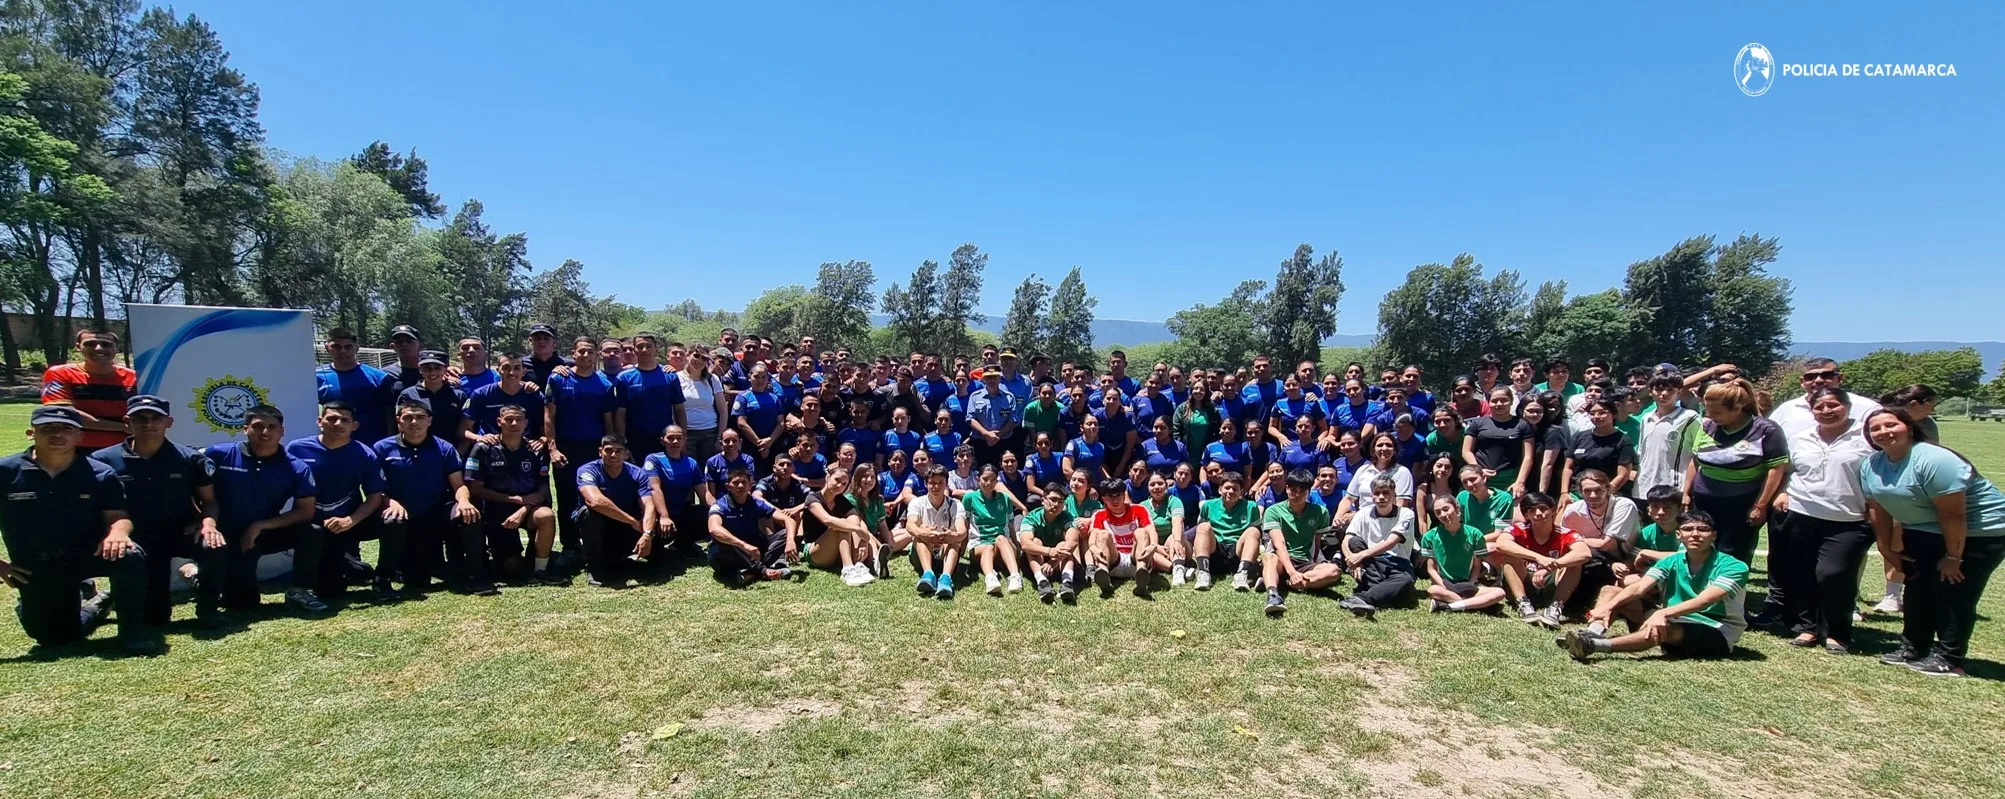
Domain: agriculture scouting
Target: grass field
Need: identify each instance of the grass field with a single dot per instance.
(688, 689)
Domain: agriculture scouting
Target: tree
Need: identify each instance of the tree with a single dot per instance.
(1994, 391)
(1588, 326)
(560, 297)
(348, 249)
(843, 299)
(781, 312)
(1026, 314)
(913, 310)
(1748, 323)
(960, 292)
(1444, 317)
(1221, 336)
(1672, 298)
(1547, 305)
(1952, 373)
(1067, 333)
(488, 273)
(407, 174)
(1302, 310)
(1701, 304)
(40, 187)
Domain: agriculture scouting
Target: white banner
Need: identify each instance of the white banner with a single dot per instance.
(213, 364)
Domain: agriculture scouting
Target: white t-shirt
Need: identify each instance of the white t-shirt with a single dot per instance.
(923, 514)
(1666, 449)
(1824, 476)
(1373, 528)
(1620, 521)
(1794, 416)
(700, 400)
(1361, 480)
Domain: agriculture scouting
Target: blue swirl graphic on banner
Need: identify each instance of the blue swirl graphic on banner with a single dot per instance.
(153, 363)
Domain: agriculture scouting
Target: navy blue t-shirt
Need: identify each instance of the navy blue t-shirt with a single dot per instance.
(742, 519)
(372, 391)
(250, 488)
(47, 518)
(484, 407)
(907, 442)
(583, 401)
(160, 489)
(342, 476)
(519, 472)
(448, 406)
(650, 398)
(865, 439)
(718, 469)
(679, 478)
(415, 474)
(1164, 458)
(625, 489)
(760, 409)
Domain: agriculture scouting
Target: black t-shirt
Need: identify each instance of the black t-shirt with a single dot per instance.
(539, 370)
(812, 527)
(1603, 453)
(1499, 447)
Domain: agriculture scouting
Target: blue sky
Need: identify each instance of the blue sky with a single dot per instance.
(1172, 149)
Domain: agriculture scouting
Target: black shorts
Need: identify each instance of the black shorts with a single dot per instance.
(1699, 641)
(1463, 590)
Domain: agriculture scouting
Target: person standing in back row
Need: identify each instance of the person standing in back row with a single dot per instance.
(578, 411)
(650, 398)
(99, 388)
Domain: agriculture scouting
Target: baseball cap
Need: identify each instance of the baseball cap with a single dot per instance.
(722, 352)
(147, 402)
(431, 357)
(544, 328)
(56, 414)
(403, 330)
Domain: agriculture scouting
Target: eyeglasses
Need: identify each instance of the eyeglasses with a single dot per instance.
(1827, 374)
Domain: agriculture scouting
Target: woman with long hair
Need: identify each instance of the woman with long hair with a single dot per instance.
(1737, 468)
(1502, 444)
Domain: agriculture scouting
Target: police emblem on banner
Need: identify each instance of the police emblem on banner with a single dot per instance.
(224, 403)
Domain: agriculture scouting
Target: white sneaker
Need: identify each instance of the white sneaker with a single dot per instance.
(854, 575)
(1015, 583)
(1177, 573)
(1204, 581)
(993, 585)
(1239, 582)
(1889, 604)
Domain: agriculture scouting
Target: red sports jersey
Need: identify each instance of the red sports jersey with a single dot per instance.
(1123, 527)
(1561, 540)
(100, 396)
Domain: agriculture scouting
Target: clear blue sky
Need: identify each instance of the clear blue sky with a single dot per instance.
(1172, 149)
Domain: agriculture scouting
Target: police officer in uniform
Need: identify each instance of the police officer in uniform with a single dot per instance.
(63, 520)
(172, 502)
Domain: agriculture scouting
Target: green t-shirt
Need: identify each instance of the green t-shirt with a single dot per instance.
(1452, 552)
(1227, 523)
(1200, 428)
(1656, 539)
(871, 508)
(1040, 417)
(1680, 583)
(1171, 509)
(1633, 426)
(1081, 510)
(1437, 445)
(1569, 392)
(1050, 532)
(1487, 516)
(1298, 530)
(988, 517)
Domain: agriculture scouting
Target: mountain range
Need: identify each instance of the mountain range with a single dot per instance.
(1130, 332)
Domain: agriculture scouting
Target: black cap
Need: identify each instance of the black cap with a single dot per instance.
(403, 330)
(431, 357)
(56, 414)
(147, 402)
(544, 328)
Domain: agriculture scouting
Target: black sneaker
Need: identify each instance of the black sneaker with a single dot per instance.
(304, 601)
(211, 618)
(1144, 584)
(1045, 593)
(1900, 657)
(145, 645)
(384, 593)
(1105, 580)
(1936, 666)
(880, 562)
(1275, 606)
(544, 577)
(1068, 592)
(1765, 619)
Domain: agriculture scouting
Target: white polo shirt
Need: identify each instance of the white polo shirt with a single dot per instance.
(1794, 416)
(1824, 475)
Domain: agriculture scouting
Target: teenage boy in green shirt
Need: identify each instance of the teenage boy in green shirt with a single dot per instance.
(1291, 529)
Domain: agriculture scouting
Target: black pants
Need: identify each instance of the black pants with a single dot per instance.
(1385, 580)
(1736, 537)
(425, 536)
(1937, 616)
(51, 611)
(239, 576)
(692, 525)
(732, 566)
(576, 454)
(1814, 564)
(608, 543)
(336, 572)
(163, 545)
(987, 454)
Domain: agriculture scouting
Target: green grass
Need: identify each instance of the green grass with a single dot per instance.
(820, 689)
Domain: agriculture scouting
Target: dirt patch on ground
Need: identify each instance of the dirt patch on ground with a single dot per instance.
(760, 720)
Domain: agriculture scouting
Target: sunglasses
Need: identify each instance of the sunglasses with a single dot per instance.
(1828, 374)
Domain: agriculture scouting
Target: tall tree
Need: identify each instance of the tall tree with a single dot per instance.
(347, 248)
(488, 272)
(843, 298)
(1589, 326)
(1221, 336)
(1748, 323)
(562, 298)
(960, 292)
(781, 312)
(41, 188)
(1547, 305)
(1444, 317)
(406, 173)
(913, 309)
(1952, 373)
(1672, 296)
(1067, 333)
(1302, 309)
(1026, 314)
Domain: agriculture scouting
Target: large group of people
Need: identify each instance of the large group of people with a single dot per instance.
(1574, 504)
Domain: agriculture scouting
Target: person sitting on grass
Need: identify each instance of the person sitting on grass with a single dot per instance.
(938, 532)
(511, 480)
(1291, 528)
(1378, 548)
(1121, 542)
(1219, 539)
(1653, 543)
(617, 517)
(1539, 560)
(1168, 514)
(1487, 510)
(989, 509)
(834, 530)
(1049, 538)
(743, 549)
(790, 497)
(1607, 524)
(1455, 553)
(1704, 590)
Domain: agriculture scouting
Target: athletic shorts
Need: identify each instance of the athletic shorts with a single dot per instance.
(1126, 567)
(1463, 590)
(1701, 640)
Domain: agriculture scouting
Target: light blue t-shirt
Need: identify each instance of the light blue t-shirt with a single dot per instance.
(1907, 490)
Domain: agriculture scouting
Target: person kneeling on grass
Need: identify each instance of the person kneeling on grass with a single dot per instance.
(1121, 542)
(988, 510)
(616, 516)
(1049, 537)
(743, 549)
(1455, 552)
(1378, 547)
(1219, 539)
(1291, 528)
(938, 531)
(1704, 591)
(1539, 560)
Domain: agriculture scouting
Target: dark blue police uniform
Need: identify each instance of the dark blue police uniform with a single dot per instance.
(249, 489)
(165, 513)
(52, 525)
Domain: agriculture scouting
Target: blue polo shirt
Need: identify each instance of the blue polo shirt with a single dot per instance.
(650, 398)
(934, 392)
(718, 469)
(679, 477)
(625, 489)
(1114, 428)
(371, 390)
(470, 382)
(742, 519)
(760, 409)
(814, 468)
(1383, 420)
(1163, 458)
(1020, 388)
(582, 404)
(907, 442)
(160, 489)
(342, 476)
(941, 447)
(54, 517)
(484, 408)
(1087, 456)
(448, 406)
(1263, 395)
(250, 488)
(415, 474)
(520, 471)
(1240, 410)
(1287, 411)
(865, 439)
(1345, 416)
